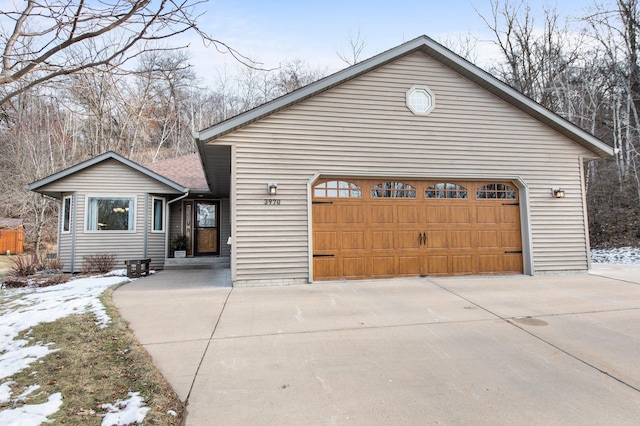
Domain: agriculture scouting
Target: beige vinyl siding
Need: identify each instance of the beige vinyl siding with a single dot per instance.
(111, 178)
(175, 219)
(225, 227)
(363, 126)
(65, 241)
(124, 245)
(109, 175)
(156, 250)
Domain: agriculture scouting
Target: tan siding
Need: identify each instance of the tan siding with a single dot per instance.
(65, 241)
(109, 174)
(125, 245)
(363, 126)
(175, 219)
(225, 227)
(155, 240)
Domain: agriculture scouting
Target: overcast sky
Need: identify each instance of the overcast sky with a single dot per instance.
(276, 31)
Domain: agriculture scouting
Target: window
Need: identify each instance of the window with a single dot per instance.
(110, 214)
(393, 190)
(337, 188)
(157, 214)
(420, 100)
(66, 214)
(496, 190)
(446, 190)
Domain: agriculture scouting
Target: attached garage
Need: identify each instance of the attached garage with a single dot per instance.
(373, 228)
(412, 163)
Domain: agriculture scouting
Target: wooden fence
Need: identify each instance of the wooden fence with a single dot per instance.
(11, 240)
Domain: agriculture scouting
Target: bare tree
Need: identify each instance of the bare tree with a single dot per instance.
(357, 44)
(54, 38)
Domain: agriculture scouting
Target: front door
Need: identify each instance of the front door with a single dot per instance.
(206, 227)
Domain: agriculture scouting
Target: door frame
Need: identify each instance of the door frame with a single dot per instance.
(523, 190)
(189, 225)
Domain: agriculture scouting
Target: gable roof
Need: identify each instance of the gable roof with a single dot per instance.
(39, 185)
(443, 55)
(185, 170)
(10, 223)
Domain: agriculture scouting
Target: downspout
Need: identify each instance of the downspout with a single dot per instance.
(166, 222)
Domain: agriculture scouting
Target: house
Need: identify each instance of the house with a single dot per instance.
(110, 204)
(414, 162)
(11, 236)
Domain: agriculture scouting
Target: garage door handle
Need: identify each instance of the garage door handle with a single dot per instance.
(422, 238)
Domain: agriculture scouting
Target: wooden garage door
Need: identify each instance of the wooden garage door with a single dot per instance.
(365, 228)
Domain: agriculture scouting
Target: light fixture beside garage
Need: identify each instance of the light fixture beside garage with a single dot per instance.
(272, 188)
(557, 193)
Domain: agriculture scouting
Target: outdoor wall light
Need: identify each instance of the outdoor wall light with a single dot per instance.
(272, 188)
(557, 193)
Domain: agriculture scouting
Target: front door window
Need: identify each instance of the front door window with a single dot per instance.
(206, 227)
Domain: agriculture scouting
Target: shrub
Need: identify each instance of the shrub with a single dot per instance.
(24, 265)
(102, 263)
(55, 263)
(14, 283)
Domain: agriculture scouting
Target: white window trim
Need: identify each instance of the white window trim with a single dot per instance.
(87, 197)
(164, 214)
(64, 199)
(421, 88)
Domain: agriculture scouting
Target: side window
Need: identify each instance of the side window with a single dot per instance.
(446, 190)
(337, 188)
(496, 191)
(393, 190)
(158, 214)
(66, 214)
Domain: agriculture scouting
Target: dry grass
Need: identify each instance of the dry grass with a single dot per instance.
(6, 262)
(95, 366)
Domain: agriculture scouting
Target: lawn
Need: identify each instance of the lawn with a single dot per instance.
(67, 356)
(6, 262)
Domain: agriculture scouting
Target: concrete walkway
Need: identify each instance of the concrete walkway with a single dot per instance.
(479, 350)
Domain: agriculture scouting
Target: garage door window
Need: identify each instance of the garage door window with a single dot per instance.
(446, 190)
(337, 188)
(393, 190)
(496, 190)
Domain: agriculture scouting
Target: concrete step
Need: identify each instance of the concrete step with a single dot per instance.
(199, 262)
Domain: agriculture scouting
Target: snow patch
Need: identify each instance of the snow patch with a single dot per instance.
(31, 415)
(619, 256)
(21, 310)
(125, 412)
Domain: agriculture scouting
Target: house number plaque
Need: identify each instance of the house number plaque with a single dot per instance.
(271, 202)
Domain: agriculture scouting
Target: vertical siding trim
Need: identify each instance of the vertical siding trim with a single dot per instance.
(60, 219)
(234, 231)
(74, 215)
(525, 227)
(583, 189)
(145, 238)
(310, 183)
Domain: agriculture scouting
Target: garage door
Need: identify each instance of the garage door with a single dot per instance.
(365, 228)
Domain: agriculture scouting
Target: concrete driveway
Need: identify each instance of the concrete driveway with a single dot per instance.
(493, 350)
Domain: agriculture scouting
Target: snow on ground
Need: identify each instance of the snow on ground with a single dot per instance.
(20, 310)
(621, 256)
(125, 412)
